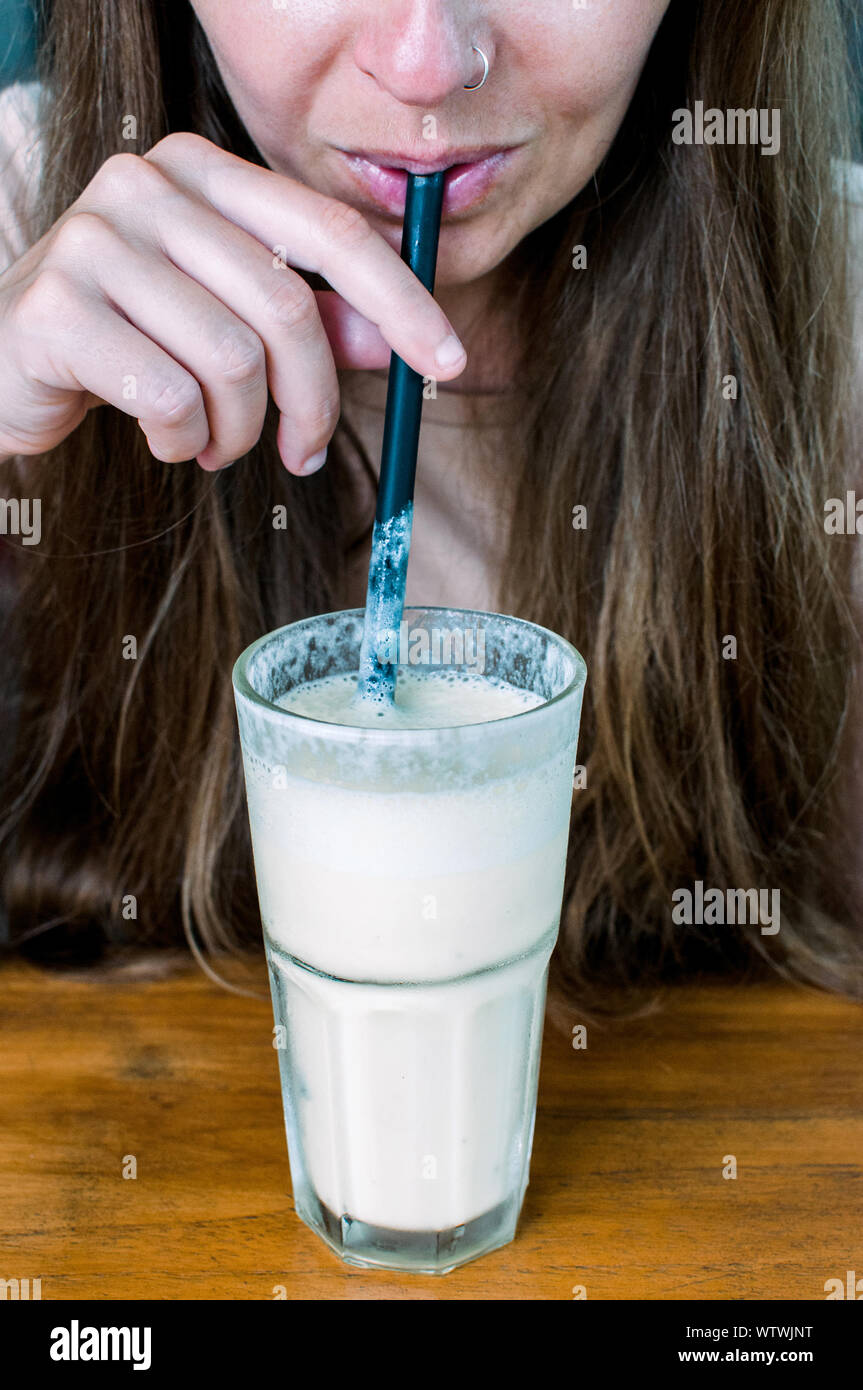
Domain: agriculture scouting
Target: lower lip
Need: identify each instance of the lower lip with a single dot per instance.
(464, 184)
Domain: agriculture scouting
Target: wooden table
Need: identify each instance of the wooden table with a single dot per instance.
(627, 1197)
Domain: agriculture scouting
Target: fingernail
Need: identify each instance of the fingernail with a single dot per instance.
(450, 352)
(312, 464)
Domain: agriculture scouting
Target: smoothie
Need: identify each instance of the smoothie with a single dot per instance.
(408, 934)
(410, 872)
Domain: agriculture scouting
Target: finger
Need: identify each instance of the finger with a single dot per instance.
(325, 236)
(218, 264)
(194, 327)
(75, 343)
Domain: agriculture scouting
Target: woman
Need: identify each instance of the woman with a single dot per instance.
(657, 405)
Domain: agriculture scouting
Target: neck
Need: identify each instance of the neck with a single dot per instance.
(478, 314)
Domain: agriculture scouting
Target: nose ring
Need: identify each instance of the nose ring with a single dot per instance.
(476, 85)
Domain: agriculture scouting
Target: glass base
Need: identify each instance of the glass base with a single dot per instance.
(418, 1252)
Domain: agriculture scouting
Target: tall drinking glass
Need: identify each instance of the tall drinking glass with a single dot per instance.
(410, 884)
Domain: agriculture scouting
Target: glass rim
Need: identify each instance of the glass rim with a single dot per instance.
(243, 686)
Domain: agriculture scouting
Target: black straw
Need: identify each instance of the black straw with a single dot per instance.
(392, 530)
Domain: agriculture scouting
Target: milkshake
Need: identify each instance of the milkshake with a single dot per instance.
(410, 872)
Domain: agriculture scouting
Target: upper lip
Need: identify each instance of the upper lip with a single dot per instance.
(396, 159)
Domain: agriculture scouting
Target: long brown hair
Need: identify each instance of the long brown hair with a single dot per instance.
(704, 520)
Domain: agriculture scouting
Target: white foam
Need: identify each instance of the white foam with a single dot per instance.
(434, 699)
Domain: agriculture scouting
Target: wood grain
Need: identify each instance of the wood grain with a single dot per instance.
(626, 1197)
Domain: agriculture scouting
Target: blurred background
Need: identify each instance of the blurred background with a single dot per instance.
(18, 30)
(17, 40)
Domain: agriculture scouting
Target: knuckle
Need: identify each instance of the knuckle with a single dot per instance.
(293, 307)
(125, 176)
(176, 403)
(180, 146)
(343, 224)
(239, 357)
(83, 233)
(47, 301)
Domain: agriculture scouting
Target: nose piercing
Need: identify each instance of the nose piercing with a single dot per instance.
(475, 85)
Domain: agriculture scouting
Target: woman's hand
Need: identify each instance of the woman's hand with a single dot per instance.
(159, 292)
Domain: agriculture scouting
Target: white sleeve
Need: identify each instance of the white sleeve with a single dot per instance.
(19, 165)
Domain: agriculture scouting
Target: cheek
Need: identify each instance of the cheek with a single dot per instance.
(268, 57)
(589, 65)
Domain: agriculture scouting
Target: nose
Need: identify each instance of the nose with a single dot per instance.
(419, 50)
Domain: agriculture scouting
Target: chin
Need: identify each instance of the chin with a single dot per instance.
(465, 250)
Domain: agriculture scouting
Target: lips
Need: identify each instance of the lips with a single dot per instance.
(469, 175)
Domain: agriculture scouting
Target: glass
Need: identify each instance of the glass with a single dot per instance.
(410, 885)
